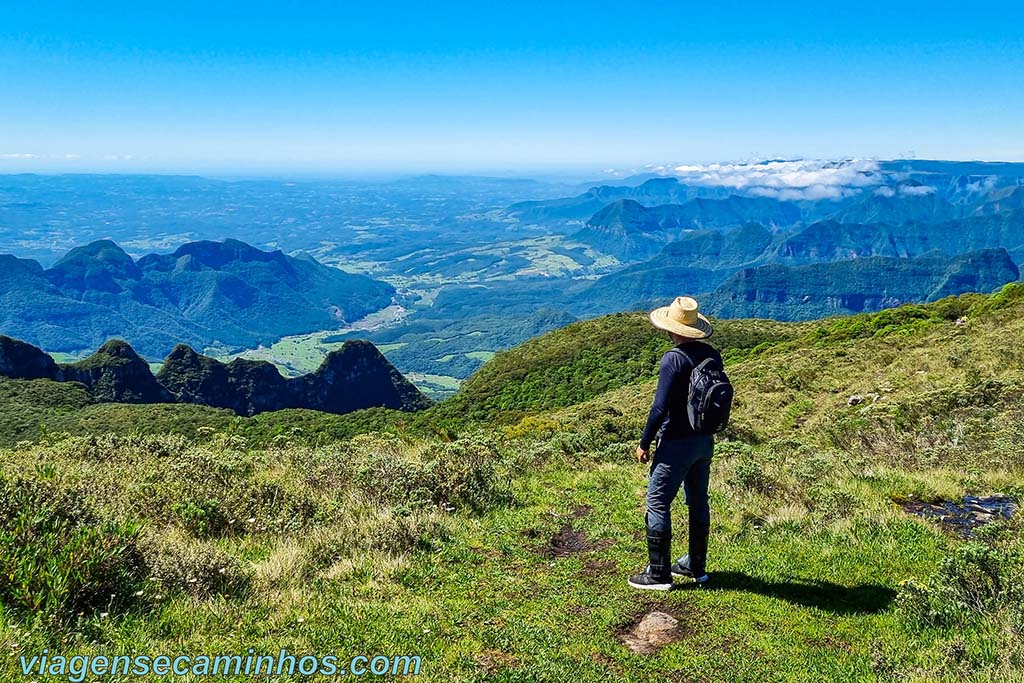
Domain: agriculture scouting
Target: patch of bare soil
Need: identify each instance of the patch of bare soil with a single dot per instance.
(829, 643)
(963, 517)
(494, 661)
(569, 541)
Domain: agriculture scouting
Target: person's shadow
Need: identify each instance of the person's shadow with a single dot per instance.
(868, 598)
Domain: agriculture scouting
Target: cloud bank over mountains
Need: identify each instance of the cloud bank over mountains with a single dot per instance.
(904, 191)
(790, 180)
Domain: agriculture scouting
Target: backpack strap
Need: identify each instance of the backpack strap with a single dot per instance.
(685, 355)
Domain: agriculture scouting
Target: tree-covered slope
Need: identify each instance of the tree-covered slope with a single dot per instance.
(818, 290)
(204, 294)
(584, 360)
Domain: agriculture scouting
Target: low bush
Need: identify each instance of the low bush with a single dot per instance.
(56, 559)
(978, 578)
(462, 474)
(180, 564)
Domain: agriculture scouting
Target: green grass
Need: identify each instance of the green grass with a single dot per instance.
(371, 535)
(803, 590)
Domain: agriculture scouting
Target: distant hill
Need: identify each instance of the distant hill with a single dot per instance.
(205, 293)
(908, 202)
(1003, 200)
(816, 290)
(652, 192)
(630, 231)
(354, 377)
(832, 240)
(701, 260)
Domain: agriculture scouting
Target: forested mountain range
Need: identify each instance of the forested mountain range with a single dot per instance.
(475, 265)
(204, 294)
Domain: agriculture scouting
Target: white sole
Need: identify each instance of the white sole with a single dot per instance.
(699, 579)
(651, 587)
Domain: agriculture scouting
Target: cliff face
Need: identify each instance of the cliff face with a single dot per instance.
(358, 375)
(117, 374)
(807, 292)
(195, 378)
(354, 377)
(24, 361)
(254, 387)
(243, 386)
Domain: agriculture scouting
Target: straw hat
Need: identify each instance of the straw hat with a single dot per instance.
(683, 318)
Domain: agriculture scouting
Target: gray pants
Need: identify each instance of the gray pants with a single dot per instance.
(685, 462)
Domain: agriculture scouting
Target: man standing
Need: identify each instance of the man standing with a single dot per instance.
(683, 452)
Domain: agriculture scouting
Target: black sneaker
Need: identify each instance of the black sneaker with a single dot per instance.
(648, 582)
(681, 568)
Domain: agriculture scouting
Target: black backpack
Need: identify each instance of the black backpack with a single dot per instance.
(710, 397)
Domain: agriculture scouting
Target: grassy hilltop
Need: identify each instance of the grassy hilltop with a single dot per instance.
(492, 533)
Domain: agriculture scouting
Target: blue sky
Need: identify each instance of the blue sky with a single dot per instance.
(337, 86)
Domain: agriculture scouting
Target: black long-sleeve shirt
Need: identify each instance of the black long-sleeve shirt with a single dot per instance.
(669, 408)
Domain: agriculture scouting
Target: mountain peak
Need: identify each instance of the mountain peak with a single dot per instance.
(100, 250)
(218, 254)
(117, 373)
(102, 266)
(118, 348)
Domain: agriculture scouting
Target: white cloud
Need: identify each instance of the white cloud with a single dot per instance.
(802, 174)
(916, 190)
(984, 184)
(885, 191)
(27, 156)
(798, 193)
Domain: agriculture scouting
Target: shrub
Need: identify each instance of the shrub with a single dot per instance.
(832, 503)
(192, 566)
(974, 579)
(533, 426)
(202, 519)
(56, 559)
(731, 449)
(463, 473)
(750, 473)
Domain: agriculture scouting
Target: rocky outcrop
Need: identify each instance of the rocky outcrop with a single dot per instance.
(354, 377)
(117, 374)
(358, 375)
(19, 360)
(245, 386)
